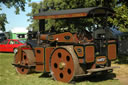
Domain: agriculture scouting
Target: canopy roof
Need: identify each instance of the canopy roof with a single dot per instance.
(81, 12)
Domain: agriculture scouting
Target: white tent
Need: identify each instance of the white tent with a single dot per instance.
(19, 30)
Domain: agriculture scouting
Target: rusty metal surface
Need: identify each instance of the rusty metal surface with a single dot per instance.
(112, 51)
(24, 61)
(61, 37)
(48, 52)
(39, 53)
(19, 54)
(30, 56)
(44, 37)
(78, 69)
(89, 54)
(65, 64)
(79, 50)
(62, 65)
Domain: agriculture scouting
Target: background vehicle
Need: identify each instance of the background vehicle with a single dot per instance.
(122, 38)
(67, 55)
(18, 33)
(2, 37)
(11, 45)
(123, 43)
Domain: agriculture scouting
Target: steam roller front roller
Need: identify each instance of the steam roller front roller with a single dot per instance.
(24, 63)
(64, 65)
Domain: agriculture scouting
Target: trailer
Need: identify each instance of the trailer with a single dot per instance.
(123, 43)
(68, 55)
(18, 33)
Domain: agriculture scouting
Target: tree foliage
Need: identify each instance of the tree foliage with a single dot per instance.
(3, 21)
(35, 10)
(119, 20)
(17, 4)
(50, 5)
(72, 24)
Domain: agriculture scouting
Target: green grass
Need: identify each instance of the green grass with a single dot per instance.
(8, 76)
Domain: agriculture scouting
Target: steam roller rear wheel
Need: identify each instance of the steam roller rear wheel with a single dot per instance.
(62, 65)
(23, 62)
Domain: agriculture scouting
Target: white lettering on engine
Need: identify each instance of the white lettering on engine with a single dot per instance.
(101, 59)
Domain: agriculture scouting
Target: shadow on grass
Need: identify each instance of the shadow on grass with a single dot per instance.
(7, 52)
(122, 59)
(96, 78)
(45, 75)
(91, 78)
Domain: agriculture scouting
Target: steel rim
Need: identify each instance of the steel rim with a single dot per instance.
(62, 65)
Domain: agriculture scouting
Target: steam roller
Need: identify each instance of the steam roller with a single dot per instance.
(66, 55)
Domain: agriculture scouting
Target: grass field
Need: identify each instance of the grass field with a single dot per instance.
(8, 76)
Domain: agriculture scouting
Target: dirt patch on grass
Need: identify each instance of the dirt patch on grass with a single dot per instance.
(122, 73)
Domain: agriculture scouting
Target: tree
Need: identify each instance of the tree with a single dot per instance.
(120, 20)
(3, 21)
(74, 24)
(49, 5)
(35, 10)
(120, 7)
(17, 4)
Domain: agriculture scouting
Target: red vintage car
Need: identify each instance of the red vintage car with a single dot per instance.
(10, 45)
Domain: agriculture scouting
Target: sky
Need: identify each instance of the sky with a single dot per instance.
(17, 21)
